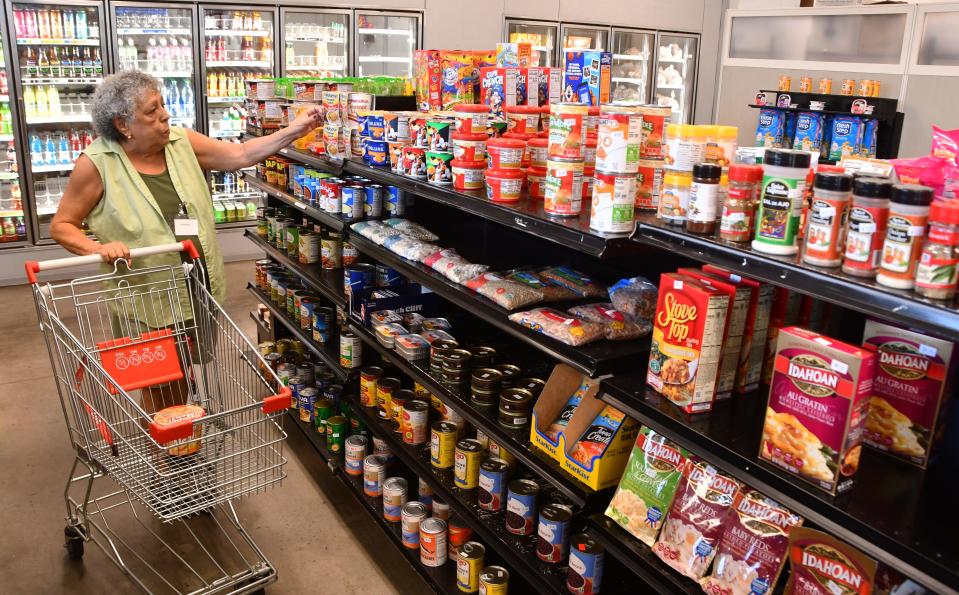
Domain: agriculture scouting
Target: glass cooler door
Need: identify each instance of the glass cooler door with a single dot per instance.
(632, 64)
(315, 42)
(385, 42)
(542, 36)
(676, 63)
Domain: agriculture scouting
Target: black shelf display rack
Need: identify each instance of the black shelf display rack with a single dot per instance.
(892, 513)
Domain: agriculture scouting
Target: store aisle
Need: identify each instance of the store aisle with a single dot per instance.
(314, 548)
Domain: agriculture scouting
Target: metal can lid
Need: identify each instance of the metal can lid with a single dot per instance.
(415, 509)
(433, 525)
(394, 484)
(524, 487)
(586, 544)
(472, 550)
(555, 513)
(469, 445)
(357, 441)
(374, 462)
(495, 465)
(415, 405)
(309, 391)
(494, 575)
(445, 427)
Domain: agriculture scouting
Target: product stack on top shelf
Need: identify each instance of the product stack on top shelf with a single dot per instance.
(774, 334)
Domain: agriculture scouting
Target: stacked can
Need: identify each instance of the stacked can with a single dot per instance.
(566, 160)
(619, 137)
(652, 150)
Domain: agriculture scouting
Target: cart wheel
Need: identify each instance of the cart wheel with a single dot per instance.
(74, 543)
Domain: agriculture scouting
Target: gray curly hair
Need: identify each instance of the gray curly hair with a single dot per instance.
(116, 97)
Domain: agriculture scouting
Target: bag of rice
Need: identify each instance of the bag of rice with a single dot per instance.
(453, 266)
(506, 293)
(414, 230)
(618, 327)
(648, 485)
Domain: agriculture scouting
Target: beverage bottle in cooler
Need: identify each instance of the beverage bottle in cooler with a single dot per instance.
(49, 150)
(186, 100)
(54, 59)
(163, 55)
(29, 63)
(56, 24)
(221, 84)
(32, 20)
(152, 54)
(186, 53)
(8, 230)
(87, 137)
(81, 24)
(165, 95)
(209, 52)
(12, 160)
(173, 54)
(133, 53)
(64, 156)
(43, 63)
(16, 195)
(36, 149)
(4, 89)
(97, 62)
(266, 51)
(19, 23)
(93, 25)
(290, 54)
(53, 101)
(43, 22)
(87, 62)
(69, 26)
(250, 210)
(211, 90)
(21, 229)
(75, 145)
(29, 101)
(174, 107)
(221, 50)
(43, 108)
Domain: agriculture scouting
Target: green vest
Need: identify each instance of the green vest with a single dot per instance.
(128, 213)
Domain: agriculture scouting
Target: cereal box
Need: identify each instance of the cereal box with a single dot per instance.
(818, 400)
(770, 129)
(687, 342)
(909, 392)
(548, 83)
(647, 486)
(481, 59)
(739, 299)
(808, 136)
(499, 88)
(586, 78)
(820, 564)
(518, 55)
(457, 78)
(696, 521)
(754, 547)
(427, 74)
(846, 137)
(749, 370)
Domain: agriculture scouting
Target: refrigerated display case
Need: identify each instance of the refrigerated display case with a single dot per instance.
(582, 37)
(632, 64)
(675, 85)
(160, 39)
(315, 42)
(385, 42)
(59, 62)
(542, 36)
(14, 230)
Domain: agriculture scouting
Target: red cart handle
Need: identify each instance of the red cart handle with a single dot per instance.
(33, 267)
(278, 401)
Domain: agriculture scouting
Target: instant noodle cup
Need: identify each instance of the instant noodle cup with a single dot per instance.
(376, 152)
(397, 126)
(504, 185)
(564, 188)
(471, 118)
(469, 146)
(179, 414)
(438, 134)
(537, 149)
(536, 182)
(414, 162)
(505, 153)
(525, 137)
(469, 174)
(396, 149)
(438, 169)
(523, 118)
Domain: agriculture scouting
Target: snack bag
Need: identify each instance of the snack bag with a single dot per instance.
(618, 326)
(769, 131)
(635, 297)
(945, 144)
(577, 282)
(789, 130)
(808, 135)
(846, 137)
(560, 326)
(551, 293)
(648, 485)
(927, 171)
(504, 292)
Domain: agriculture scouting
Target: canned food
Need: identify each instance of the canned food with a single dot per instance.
(355, 452)
(337, 428)
(352, 201)
(469, 562)
(655, 119)
(492, 484)
(398, 402)
(295, 383)
(323, 321)
(586, 556)
(394, 202)
(412, 515)
(649, 184)
(536, 182)
(351, 351)
(350, 255)
(414, 424)
(381, 448)
(433, 542)
(493, 580)
(457, 534)
(385, 387)
(374, 468)
(443, 444)
(441, 509)
(373, 203)
(564, 188)
(848, 87)
(394, 497)
(306, 400)
(618, 140)
(322, 411)
(614, 198)
(553, 532)
(521, 506)
(266, 347)
(567, 131)
(495, 450)
(466, 462)
(307, 306)
(825, 86)
(426, 494)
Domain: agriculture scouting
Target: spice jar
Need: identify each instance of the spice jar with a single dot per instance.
(826, 219)
(736, 222)
(674, 199)
(908, 215)
(777, 221)
(936, 275)
(703, 199)
(866, 226)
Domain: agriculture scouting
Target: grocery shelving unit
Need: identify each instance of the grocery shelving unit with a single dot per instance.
(329, 284)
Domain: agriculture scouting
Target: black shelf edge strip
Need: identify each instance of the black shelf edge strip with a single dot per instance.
(880, 514)
(332, 166)
(578, 493)
(592, 359)
(865, 296)
(329, 357)
(329, 284)
(441, 580)
(545, 578)
(259, 324)
(236, 224)
(287, 198)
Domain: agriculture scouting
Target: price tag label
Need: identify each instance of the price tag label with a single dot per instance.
(838, 366)
(300, 205)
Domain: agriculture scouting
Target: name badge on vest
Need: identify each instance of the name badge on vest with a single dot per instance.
(184, 225)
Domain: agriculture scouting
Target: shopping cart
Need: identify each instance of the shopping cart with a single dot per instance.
(124, 346)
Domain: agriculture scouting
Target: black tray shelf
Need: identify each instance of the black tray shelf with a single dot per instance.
(285, 197)
(327, 283)
(330, 357)
(893, 512)
(515, 441)
(832, 285)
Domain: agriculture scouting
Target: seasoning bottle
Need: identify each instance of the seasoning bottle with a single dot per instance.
(826, 219)
(736, 223)
(777, 221)
(866, 226)
(936, 275)
(704, 199)
(908, 215)
(674, 199)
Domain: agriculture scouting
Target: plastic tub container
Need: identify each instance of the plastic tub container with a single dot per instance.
(469, 146)
(536, 182)
(523, 119)
(469, 175)
(471, 117)
(505, 153)
(504, 185)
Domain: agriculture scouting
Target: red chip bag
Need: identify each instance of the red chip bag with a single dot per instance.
(920, 170)
(945, 144)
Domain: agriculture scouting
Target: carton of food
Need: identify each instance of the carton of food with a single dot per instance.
(586, 78)
(910, 391)
(499, 88)
(517, 55)
(820, 564)
(544, 86)
(816, 412)
(784, 312)
(688, 330)
(427, 75)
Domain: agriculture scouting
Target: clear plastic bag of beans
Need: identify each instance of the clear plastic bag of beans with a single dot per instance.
(579, 283)
(365, 228)
(551, 293)
(560, 326)
(636, 298)
(618, 326)
(381, 234)
(414, 230)
(504, 292)
(409, 248)
(453, 266)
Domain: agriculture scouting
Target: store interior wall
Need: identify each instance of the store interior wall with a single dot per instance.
(930, 100)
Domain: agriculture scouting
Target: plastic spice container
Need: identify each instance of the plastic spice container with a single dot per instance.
(685, 146)
(504, 185)
(936, 275)
(674, 199)
(777, 221)
(736, 222)
(468, 175)
(703, 199)
(826, 219)
(866, 226)
(908, 216)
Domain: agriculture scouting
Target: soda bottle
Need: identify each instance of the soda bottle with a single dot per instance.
(53, 101)
(12, 160)
(81, 24)
(173, 58)
(49, 150)
(76, 145)
(56, 24)
(162, 55)
(64, 156)
(69, 25)
(40, 94)
(221, 54)
(93, 26)
(87, 138)
(43, 63)
(97, 62)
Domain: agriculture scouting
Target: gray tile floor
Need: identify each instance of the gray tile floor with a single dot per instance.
(312, 531)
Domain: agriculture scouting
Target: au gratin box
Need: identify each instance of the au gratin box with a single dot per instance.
(590, 439)
(587, 77)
